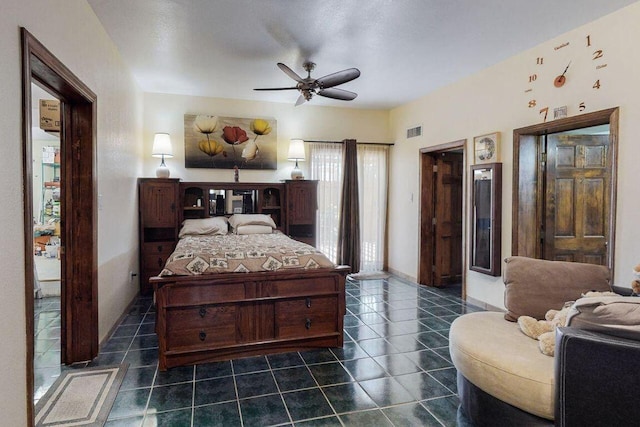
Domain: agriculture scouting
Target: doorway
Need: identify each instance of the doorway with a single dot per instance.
(46, 190)
(564, 189)
(441, 211)
(77, 206)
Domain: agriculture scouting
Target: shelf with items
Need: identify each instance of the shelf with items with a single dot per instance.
(271, 203)
(208, 199)
(50, 203)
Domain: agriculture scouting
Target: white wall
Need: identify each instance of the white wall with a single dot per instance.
(495, 100)
(165, 113)
(70, 30)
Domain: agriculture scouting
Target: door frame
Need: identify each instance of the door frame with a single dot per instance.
(78, 225)
(524, 234)
(426, 243)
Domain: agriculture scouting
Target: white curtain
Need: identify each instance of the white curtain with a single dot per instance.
(373, 164)
(325, 161)
(372, 186)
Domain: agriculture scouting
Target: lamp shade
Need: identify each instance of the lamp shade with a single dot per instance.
(296, 150)
(162, 145)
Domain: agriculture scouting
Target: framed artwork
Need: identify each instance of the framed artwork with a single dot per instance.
(228, 142)
(486, 148)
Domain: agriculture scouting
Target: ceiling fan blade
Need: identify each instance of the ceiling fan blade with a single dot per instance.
(301, 100)
(341, 94)
(289, 72)
(338, 78)
(276, 88)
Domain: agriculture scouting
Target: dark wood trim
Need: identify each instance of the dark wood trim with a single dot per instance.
(425, 248)
(609, 116)
(27, 191)
(495, 264)
(79, 300)
(447, 146)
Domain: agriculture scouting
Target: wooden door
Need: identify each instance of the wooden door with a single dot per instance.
(577, 198)
(158, 203)
(447, 223)
(302, 200)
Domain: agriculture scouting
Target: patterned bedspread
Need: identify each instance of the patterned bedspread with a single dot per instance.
(213, 254)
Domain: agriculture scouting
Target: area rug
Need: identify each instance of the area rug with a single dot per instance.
(81, 397)
(369, 275)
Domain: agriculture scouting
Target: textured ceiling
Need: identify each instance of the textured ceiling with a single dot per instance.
(404, 48)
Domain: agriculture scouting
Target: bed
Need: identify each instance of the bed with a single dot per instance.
(245, 289)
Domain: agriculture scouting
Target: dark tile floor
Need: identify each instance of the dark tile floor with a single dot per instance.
(394, 369)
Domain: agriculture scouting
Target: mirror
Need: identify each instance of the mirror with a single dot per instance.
(486, 217)
(228, 202)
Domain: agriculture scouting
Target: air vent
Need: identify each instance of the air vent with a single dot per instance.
(413, 132)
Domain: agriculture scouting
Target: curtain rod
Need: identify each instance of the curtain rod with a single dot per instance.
(386, 144)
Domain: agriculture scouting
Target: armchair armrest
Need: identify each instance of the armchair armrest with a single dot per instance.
(596, 379)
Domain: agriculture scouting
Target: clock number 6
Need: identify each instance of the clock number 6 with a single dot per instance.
(544, 110)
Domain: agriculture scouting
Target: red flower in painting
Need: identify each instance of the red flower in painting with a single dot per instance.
(234, 135)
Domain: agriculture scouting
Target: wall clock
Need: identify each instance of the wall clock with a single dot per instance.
(563, 74)
(486, 148)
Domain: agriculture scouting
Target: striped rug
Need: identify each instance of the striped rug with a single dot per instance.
(81, 397)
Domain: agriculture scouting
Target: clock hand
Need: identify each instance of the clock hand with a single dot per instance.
(559, 81)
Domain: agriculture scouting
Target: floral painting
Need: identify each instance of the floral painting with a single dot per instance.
(229, 142)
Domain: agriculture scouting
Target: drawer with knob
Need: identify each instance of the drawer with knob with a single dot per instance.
(159, 248)
(306, 316)
(202, 316)
(202, 326)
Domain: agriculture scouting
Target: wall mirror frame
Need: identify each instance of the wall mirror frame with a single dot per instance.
(486, 218)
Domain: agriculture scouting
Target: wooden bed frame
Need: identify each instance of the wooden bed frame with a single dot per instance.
(217, 317)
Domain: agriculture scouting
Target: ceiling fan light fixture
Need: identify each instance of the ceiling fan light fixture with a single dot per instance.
(324, 86)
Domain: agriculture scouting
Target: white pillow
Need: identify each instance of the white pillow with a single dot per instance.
(253, 229)
(196, 227)
(251, 219)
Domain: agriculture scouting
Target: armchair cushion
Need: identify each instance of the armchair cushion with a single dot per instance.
(533, 286)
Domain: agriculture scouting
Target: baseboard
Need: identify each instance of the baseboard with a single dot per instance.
(117, 323)
(402, 275)
(483, 305)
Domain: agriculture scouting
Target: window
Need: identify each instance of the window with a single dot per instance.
(326, 163)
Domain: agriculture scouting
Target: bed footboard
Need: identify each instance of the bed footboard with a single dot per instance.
(220, 317)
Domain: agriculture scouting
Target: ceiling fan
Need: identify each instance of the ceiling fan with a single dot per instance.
(324, 86)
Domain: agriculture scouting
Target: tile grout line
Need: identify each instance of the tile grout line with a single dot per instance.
(235, 388)
(286, 408)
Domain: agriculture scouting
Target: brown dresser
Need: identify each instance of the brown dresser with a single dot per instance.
(247, 314)
(302, 205)
(158, 225)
